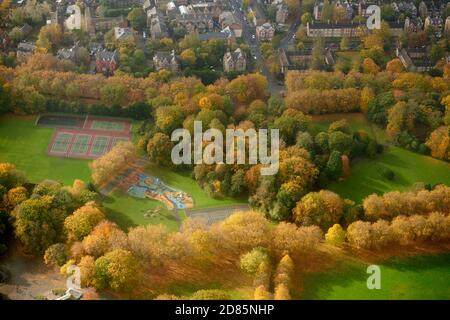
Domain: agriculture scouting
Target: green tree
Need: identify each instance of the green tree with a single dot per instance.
(118, 270)
(159, 149)
(137, 18)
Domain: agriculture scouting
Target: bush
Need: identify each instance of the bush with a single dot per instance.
(389, 174)
(335, 236)
(250, 261)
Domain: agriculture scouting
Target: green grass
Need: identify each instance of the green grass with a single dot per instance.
(129, 212)
(366, 175)
(356, 121)
(183, 181)
(425, 277)
(25, 145)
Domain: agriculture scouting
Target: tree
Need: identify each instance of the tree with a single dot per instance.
(335, 235)
(283, 278)
(105, 237)
(250, 261)
(118, 270)
(82, 221)
(56, 255)
(341, 142)
(111, 163)
(323, 208)
(39, 220)
(306, 17)
(439, 143)
(169, 118)
(137, 18)
(377, 111)
(394, 66)
(290, 123)
(50, 37)
(188, 56)
(318, 55)
(369, 66)
(159, 149)
(334, 168)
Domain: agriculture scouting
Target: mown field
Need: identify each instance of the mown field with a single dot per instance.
(366, 175)
(25, 145)
(409, 168)
(416, 278)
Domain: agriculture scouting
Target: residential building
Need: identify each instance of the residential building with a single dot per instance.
(335, 30)
(265, 32)
(234, 61)
(414, 59)
(24, 50)
(227, 19)
(165, 60)
(106, 62)
(282, 13)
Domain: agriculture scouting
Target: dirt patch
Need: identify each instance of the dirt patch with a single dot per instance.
(29, 277)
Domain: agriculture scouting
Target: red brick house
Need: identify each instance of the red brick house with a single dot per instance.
(107, 62)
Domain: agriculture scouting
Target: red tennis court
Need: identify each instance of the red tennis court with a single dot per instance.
(94, 139)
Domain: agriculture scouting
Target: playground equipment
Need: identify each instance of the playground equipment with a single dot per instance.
(153, 188)
(73, 284)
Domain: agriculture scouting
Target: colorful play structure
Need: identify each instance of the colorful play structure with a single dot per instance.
(153, 188)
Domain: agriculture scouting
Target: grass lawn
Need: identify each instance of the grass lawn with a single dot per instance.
(356, 121)
(25, 145)
(367, 175)
(236, 292)
(129, 212)
(183, 181)
(425, 277)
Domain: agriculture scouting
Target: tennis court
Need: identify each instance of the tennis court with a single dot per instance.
(95, 137)
(81, 144)
(61, 142)
(99, 146)
(107, 125)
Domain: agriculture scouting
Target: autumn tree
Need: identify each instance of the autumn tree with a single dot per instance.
(283, 278)
(105, 237)
(56, 255)
(83, 220)
(323, 208)
(108, 165)
(335, 235)
(159, 149)
(118, 270)
(250, 261)
(439, 143)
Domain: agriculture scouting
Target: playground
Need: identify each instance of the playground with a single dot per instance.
(84, 137)
(153, 188)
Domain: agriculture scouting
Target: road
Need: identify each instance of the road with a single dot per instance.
(249, 35)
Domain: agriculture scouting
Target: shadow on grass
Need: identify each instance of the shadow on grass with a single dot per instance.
(420, 263)
(316, 285)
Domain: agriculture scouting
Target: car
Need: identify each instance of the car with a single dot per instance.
(253, 36)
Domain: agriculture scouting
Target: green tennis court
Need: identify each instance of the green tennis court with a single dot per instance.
(81, 144)
(99, 146)
(107, 125)
(61, 142)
